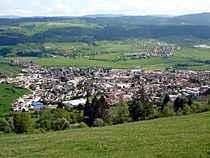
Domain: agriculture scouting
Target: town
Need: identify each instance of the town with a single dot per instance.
(50, 86)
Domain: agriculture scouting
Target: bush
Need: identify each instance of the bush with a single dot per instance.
(154, 112)
(179, 112)
(98, 122)
(76, 116)
(168, 110)
(79, 125)
(61, 113)
(61, 124)
(186, 110)
(198, 107)
(5, 126)
(193, 109)
(45, 124)
(83, 125)
(22, 122)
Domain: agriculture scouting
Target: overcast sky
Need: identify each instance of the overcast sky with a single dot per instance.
(86, 7)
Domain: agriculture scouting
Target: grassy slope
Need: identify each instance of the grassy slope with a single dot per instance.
(185, 136)
(7, 97)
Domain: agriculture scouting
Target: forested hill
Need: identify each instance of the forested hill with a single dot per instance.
(91, 28)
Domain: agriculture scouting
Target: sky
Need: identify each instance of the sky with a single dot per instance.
(89, 7)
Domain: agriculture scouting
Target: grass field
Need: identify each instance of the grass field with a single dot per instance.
(184, 136)
(7, 95)
(11, 70)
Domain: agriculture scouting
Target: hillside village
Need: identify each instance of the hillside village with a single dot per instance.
(50, 86)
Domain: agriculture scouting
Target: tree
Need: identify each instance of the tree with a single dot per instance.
(22, 122)
(60, 105)
(76, 116)
(165, 101)
(61, 113)
(147, 105)
(88, 112)
(121, 113)
(98, 108)
(136, 110)
(178, 104)
(189, 101)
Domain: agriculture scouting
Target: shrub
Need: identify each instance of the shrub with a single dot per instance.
(154, 112)
(76, 116)
(61, 124)
(22, 122)
(83, 125)
(45, 124)
(193, 109)
(98, 122)
(179, 112)
(198, 107)
(186, 110)
(11, 123)
(168, 110)
(5, 126)
(61, 113)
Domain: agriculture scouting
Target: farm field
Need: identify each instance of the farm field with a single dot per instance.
(184, 136)
(7, 95)
(191, 58)
(112, 54)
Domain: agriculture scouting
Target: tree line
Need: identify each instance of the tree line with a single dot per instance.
(97, 113)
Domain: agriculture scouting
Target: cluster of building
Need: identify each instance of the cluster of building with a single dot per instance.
(157, 48)
(50, 86)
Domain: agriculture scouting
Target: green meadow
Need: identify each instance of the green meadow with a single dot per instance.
(184, 136)
(8, 93)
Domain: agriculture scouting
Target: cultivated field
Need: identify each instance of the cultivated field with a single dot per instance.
(184, 136)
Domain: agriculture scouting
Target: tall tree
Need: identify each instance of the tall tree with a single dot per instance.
(98, 108)
(22, 122)
(165, 101)
(136, 110)
(144, 99)
(190, 101)
(178, 104)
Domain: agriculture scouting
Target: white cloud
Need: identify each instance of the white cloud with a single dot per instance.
(20, 12)
(82, 7)
(145, 7)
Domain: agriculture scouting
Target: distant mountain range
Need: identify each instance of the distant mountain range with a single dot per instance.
(191, 19)
(10, 17)
(91, 28)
